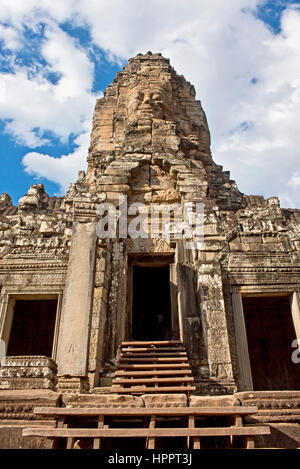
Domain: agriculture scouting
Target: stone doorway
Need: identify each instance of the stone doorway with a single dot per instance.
(33, 327)
(151, 303)
(152, 298)
(270, 333)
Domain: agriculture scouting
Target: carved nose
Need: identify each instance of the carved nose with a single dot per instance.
(146, 99)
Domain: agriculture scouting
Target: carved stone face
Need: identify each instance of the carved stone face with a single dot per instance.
(146, 103)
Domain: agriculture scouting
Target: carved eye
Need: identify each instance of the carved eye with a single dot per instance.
(156, 97)
(135, 97)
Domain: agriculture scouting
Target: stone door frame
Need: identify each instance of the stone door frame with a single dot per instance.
(9, 297)
(245, 376)
(143, 260)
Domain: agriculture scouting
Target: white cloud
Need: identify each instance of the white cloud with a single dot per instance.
(264, 157)
(32, 104)
(247, 78)
(70, 62)
(10, 37)
(61, 170)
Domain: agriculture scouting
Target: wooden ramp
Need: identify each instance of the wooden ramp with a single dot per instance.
(101, 425)
(153, 367)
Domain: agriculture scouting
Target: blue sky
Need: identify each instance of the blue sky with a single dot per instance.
(243, 57)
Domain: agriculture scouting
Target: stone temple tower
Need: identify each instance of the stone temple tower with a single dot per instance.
(81, 291)
(150, 142)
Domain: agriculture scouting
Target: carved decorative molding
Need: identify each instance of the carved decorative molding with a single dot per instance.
(28, 372)
(280, 269)
(39, 266)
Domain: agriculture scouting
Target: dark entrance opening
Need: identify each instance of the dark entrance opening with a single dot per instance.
(151, 305)
(270, 333)
(32, 329)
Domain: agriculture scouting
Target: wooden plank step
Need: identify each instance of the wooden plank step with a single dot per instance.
(143, 432)
(134, 381)
(152, 389)
(153, 349)
(154, 342)
(153, 372)
(145, 411)
(152, 360)
(152, 366)
(153, 355)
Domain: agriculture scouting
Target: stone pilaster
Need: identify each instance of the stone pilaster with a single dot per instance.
(245, 377)
(73, 342)
(210, 293)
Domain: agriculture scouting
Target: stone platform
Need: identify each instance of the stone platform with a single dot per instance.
(280, 409)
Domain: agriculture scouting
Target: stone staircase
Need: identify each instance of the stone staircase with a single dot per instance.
(153, 367)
